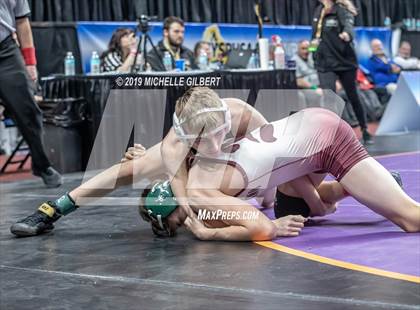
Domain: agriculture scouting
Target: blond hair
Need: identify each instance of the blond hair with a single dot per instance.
(348, 4)
(194, 100)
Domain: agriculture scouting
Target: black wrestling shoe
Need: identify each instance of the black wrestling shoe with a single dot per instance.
(50, 176)
(39, 222)
(397, 176)
(366, 137)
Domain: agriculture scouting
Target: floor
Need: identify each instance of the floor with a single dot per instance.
(104, 257)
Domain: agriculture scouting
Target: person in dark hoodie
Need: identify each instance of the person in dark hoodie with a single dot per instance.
(173, 37)
(334, 53)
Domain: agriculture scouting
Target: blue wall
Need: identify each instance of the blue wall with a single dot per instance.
(94, 36)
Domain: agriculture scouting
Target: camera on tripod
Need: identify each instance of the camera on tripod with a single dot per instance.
(143, 22)
(144, 27)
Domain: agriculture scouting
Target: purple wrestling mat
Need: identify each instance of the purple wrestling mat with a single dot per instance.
(354, 234)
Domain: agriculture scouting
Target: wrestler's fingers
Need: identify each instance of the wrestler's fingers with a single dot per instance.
(294, 229)
(188, 223)
(139, 146)
(189, 211)
(139, 153)
(129, 156)
(296, 224)
(299, 218)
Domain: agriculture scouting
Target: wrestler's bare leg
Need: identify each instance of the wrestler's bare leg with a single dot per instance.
(149, 166)
(384, 196)
(329, 191)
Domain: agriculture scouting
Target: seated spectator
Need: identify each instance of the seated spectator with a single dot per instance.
(384, 72)
(202, 46)
(306, 74)
(173, 38)
(121, 52)
(404, 59)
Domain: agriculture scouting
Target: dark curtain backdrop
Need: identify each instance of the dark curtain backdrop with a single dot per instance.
(296, 12)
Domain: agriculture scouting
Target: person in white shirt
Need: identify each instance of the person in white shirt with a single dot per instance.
(404, 59)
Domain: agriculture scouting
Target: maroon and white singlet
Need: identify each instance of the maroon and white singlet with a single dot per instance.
(312, 140)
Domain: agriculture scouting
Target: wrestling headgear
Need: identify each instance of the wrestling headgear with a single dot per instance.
(181, 132)
(157, 204)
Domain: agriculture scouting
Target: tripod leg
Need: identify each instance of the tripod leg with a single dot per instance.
(153, 47)
(133, 66)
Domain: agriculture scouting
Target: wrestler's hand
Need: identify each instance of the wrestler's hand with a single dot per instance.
(289, 226)
(134, 152)
(196, 226)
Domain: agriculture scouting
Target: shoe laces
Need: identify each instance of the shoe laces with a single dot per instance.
(35, 218)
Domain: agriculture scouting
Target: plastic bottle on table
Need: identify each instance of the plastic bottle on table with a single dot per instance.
(252, 61)
(167, 61)
(387, 22)
(69, 64)
(95, 63)
(203, 61)
(279, 57)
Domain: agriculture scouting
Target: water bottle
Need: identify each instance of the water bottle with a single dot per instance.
(167, 61)
(257, 61)
(252, 62)
(387, 22)
(279, 57)
(95, 63)
(203, 61)
(407, 23)
(69, 64)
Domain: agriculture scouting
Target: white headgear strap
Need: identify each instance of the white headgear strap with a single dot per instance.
(183, 136)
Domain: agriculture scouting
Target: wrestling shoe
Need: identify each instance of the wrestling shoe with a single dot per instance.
(39, 222)
(50, 176)
(366, 137)
(397, 176)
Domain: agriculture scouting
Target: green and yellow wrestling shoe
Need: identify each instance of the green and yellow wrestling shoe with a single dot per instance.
(42, 220)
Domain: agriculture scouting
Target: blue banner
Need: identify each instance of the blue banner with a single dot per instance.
(94, 36)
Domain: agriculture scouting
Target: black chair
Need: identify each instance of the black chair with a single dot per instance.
(20, 147)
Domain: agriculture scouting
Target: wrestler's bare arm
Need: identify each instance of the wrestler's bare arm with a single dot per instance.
(214, 192)
(306, 190)
(148, 166)
(174, 154)
(245, 118)
(237, 229)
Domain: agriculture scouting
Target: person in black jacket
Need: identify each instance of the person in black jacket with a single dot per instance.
(17, 75)
(335, 56)
(173, 37)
